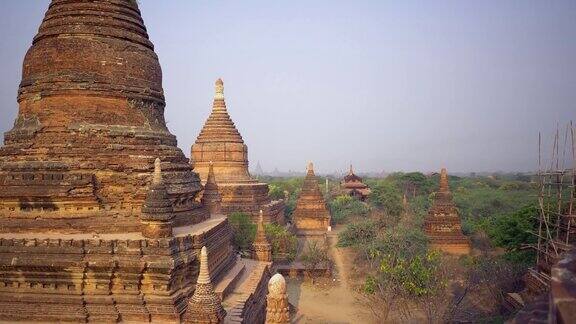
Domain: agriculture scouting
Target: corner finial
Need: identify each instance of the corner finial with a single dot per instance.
(157, 179)
(204, 274)
(219, 89)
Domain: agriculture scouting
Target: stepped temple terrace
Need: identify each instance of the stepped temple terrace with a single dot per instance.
(100, 215)
(353, 186)
(442, 225)
(221, 145)
(311, 213)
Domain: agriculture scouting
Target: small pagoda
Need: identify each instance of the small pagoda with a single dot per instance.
(220, 146)
(442, 225)
(353, 186)
(261, 248)
(311, 213)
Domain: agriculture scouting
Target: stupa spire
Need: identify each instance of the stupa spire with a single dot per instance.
(204, 274)
(262, 250)
(310, 168)
(211, 197)
(444, 181)
(219, 87)
(351, 172)
(260, 233)
(211, 177)
(157, 179)
(204, 306)
(157, 210)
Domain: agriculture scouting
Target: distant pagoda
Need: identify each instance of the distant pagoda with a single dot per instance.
(258, 171)
(220, 143)
(311, 213)
(353, 186)
(442, 225)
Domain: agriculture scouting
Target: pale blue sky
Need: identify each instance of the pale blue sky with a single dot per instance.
(387, 85)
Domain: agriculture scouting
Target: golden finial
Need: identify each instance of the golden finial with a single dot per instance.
(219, 89)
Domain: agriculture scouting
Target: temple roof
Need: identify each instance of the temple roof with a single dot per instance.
(351, 176)
(219, 127)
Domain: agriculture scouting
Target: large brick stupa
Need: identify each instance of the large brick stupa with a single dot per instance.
(220, 144)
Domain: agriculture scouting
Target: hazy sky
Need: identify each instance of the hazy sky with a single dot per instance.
(387, 85)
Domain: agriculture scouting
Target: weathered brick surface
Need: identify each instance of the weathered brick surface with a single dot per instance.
(442, 225)
(75, 180)
(250, 306)
(220, 146)
(311, 212)
(106, 280)
(89, 126)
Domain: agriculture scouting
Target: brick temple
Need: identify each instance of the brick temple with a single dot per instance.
(220, 144)
(442, 225)
(100, 211)
(353, 186)
(311, 213)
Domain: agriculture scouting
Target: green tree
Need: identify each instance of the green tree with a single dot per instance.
(343, 207)
(284, 244)
(386, 196)
(244, 231)
(358, 234)
(514, 232)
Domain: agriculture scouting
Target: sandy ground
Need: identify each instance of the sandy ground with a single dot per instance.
(328, 301)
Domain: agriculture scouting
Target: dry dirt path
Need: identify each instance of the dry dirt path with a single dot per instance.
(333, 302)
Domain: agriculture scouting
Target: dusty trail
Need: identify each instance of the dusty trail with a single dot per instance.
(334, 302)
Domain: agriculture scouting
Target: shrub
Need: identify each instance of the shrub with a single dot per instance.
(244, 231)
(284, 244)
(358, 234)
(342, 207)
(387, 197)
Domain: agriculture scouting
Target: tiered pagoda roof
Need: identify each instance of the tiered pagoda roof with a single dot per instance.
(352, 185)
